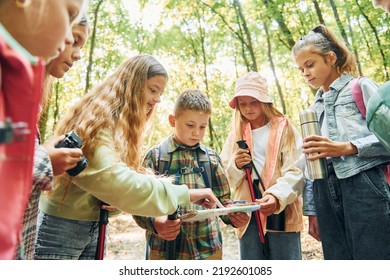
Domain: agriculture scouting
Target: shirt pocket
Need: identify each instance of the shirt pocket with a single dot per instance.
(345, 107)
(350, 122)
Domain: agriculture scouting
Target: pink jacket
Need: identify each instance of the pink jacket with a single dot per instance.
(282, 174)
(21, 77)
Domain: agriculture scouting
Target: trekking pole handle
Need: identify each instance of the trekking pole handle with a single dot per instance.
(255, 192)
(171, 245)
(243, 145)
(103, 219)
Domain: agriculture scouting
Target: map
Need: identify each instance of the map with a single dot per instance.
(197, 215)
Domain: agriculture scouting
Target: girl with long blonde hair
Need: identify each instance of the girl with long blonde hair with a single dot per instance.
(111, 121)
(274, 151)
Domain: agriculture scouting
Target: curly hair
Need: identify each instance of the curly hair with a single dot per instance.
(116, 107)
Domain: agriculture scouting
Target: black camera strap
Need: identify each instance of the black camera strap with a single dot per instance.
(258, 176)
(274, 221)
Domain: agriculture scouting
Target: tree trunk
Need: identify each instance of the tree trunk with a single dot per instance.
(205, 77)
(93, 41)
(355, 51)
(366, 41)
(318, 12)
(246, 44)
(56, 112)
(278, 17)
(339, 23)
(376, 38)
(238, 8)
(269, 53)
(45, 104)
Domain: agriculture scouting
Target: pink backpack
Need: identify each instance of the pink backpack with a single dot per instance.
(358, 96)
(359, 101)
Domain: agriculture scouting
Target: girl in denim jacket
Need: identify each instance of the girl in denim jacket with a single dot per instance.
(352, 206)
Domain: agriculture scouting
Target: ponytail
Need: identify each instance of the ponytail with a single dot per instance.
(322, 41)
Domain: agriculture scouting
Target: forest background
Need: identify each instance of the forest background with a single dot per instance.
(208, 44)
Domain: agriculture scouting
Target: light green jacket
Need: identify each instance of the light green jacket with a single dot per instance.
(109, 180)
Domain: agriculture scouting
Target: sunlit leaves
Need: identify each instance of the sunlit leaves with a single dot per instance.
(202, 45)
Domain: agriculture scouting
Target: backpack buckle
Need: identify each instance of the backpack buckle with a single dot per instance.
(199, 169)
(186, 170)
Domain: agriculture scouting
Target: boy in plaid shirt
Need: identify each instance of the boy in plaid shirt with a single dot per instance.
(200, 239)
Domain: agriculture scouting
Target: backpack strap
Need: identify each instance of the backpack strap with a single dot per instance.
(357, 95)
(163, 159)
(204, 158)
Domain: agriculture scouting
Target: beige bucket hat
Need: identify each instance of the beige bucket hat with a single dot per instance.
(251, 84)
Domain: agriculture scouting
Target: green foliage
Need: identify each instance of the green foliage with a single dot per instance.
(203, 44)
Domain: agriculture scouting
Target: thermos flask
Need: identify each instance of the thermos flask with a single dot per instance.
(317, 169)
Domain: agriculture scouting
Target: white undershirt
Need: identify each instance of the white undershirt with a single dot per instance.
(260, 141)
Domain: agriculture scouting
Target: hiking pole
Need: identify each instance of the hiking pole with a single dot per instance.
(170, 250)
(103, 221)
(171, 244)
(242, 145)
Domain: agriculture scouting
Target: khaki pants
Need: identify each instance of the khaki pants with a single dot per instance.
(216, 256)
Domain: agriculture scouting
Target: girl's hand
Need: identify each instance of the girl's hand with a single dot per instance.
(322, 147)
(167, 229)
(239, 219)
(242, 158)
(207, 204)
(314, 230)
(268, 204)
(108, 207)
(62, 159)
(204, 197)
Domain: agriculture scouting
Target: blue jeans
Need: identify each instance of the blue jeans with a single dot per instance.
(282, 245)
(354, 215)
(59, 238)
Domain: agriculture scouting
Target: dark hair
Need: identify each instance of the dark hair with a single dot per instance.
(156, 69)
(322, 41)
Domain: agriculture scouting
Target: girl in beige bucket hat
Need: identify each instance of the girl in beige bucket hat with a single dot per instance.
(275, 146)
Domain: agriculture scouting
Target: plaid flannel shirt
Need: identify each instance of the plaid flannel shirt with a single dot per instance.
(43, 181)
(196, 240)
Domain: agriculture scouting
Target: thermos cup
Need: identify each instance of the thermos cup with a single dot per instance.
(317, 169)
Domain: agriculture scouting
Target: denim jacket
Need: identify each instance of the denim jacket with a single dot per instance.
(346, 124)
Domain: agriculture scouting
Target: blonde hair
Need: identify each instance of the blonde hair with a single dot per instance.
(270, 113)
(322, 40)
(116, 107)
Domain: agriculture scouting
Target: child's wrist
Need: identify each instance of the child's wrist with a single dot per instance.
(153, 228)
